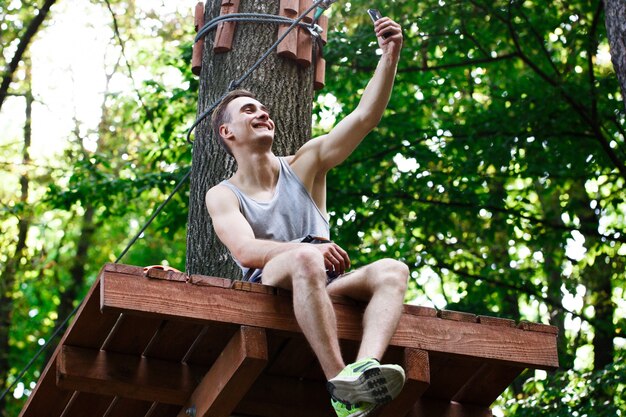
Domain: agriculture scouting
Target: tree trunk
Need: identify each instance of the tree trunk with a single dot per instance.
(284, 87)
(554, 255)
(8, 276)
(615, 11)
(597, 277)
(77, 273)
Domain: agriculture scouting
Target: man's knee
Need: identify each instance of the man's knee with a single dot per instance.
(391, 273)
(308, 264)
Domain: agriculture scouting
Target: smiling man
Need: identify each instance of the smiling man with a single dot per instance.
(271, 215)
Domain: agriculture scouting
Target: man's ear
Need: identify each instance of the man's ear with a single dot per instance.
(225, 131)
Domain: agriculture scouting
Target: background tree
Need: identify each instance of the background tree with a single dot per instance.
(616, 28)
(12, 263)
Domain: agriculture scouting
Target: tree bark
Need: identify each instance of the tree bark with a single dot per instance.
(31, 30)
(615, 16)
(284, 87)
(8, 277)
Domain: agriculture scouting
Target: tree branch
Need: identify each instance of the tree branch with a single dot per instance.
(579, 108)
(395, 196)
(469, 63)
(526, 289)
(25, 40)
(591, 53)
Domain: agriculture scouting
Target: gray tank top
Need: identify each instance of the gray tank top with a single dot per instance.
(289, 216)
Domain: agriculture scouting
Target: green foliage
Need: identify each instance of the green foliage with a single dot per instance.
(571, 393)
(502, 151)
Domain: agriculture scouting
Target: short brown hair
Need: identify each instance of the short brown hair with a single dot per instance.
(221, 116)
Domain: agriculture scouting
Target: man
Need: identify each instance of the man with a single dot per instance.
(266, 209)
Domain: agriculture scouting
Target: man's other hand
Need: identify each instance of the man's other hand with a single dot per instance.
(335, 258)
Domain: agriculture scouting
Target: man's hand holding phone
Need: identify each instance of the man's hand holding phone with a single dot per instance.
(389, 33)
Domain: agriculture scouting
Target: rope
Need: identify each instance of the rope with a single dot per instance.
(252, 18)
(241, 17)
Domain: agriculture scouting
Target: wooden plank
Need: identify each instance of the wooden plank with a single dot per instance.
(420, 311)
(230, 377)
(486, 385)
(132, 334)
(213, 304)
(126, 407)
(204, 281)
(173, 340)
(87, 404)
(496, 321)
(295, 359)
(39, 402)
(128, 376)
(427, 407)
(47, 399)
(457, 316)
(538, 327)
(123, 269)
(273, 396)
(416, 367)
(448, 374)
(162, 410)
(166, 274)
(208, 345)
(91, 326)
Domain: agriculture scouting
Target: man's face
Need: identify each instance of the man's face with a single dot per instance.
(249, 121)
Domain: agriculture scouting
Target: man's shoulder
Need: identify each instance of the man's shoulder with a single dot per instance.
(218, 188)
(220, 196)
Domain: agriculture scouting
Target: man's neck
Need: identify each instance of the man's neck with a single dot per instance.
(257, 173)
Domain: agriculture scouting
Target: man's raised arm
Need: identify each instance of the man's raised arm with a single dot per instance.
(340, 142)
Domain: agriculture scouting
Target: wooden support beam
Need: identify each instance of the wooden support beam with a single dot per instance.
(230, 377)
(122, 292)
(225, 32)
(320, 73)
(417, 372)
(288, 48)
(273, 396)
(486, 385)
(305, 43)
(198, 47)
(130, 376)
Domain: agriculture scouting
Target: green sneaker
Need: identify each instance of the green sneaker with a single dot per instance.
(352, 410)
(367, 381)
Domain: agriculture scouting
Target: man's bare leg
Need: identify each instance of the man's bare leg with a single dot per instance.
(383, 283)
(302, 271)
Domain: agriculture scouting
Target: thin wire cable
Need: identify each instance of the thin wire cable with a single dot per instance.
(246, 17)
(156, 212)
(45, 346)
(39, 352)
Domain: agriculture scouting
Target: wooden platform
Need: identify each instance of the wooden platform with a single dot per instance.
(163, 344)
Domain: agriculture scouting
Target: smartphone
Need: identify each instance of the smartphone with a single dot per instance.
(375, 15)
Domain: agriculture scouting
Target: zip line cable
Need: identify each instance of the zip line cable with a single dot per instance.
(241, 17)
